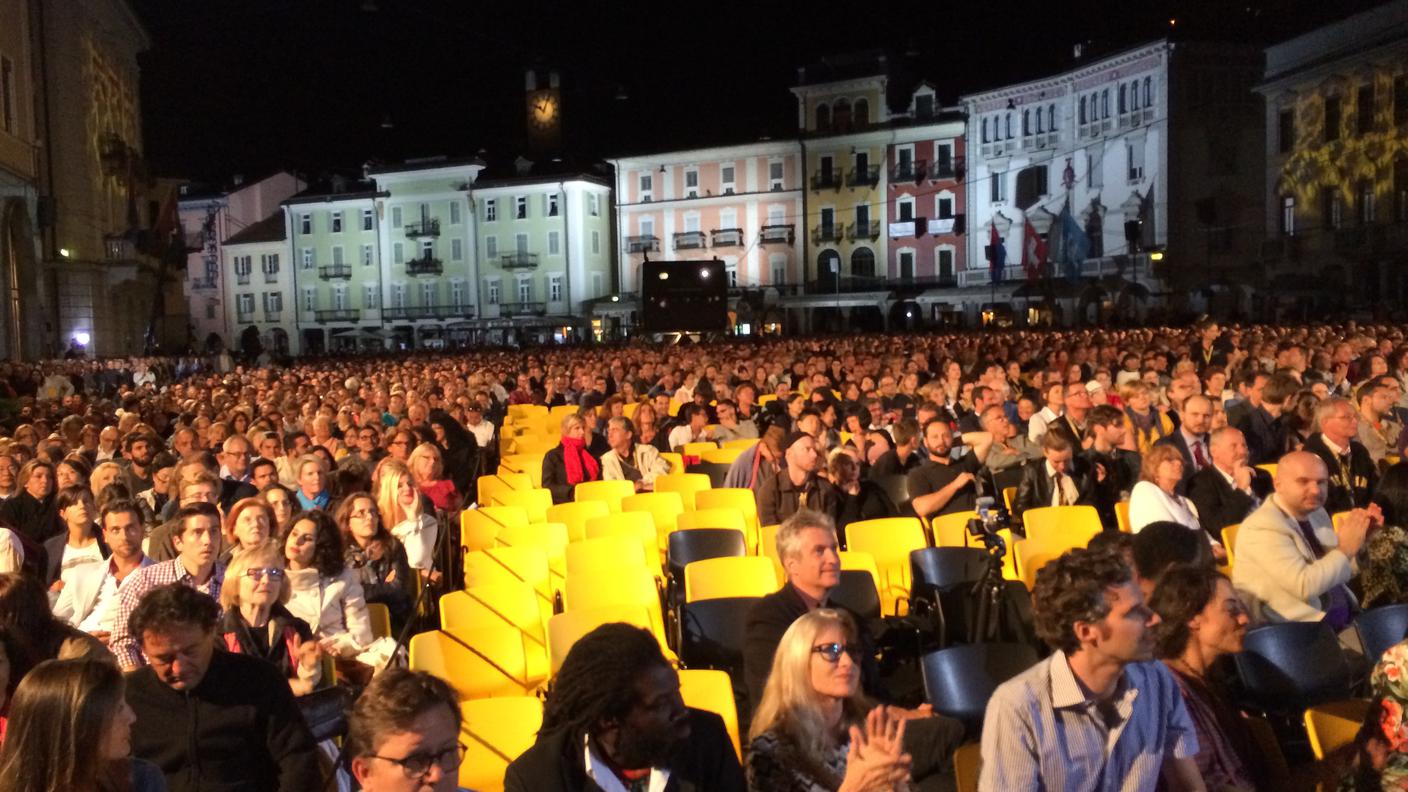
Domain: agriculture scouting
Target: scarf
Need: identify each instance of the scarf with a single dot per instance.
(580, 465)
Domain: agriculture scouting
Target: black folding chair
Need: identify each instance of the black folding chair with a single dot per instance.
(857, 593)
(958, 681)
(1289, 667)
(1381, 628)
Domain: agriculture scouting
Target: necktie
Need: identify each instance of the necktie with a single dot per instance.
(636, 780)
(1199, 460)
(1056, 479)
(1338, 609)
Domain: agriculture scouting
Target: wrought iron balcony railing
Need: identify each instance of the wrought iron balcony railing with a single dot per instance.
(689, 240)
(778, 234)
(335, 272)
(519, 261)
(425, 266)
(337, 315)
(425, 228)
(727, 237)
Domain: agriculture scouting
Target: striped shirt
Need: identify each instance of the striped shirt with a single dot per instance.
(1043, 732)
(130, 593)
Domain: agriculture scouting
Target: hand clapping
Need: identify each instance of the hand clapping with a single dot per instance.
(876, 761)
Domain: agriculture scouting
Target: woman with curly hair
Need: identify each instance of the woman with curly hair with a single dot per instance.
(323, 591)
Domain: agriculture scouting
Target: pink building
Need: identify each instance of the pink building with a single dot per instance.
(925, 210)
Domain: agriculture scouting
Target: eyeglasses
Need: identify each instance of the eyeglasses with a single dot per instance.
(259, 573)
(418, 764)
(831, 652)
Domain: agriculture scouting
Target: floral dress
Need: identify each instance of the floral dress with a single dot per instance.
(1389, 683)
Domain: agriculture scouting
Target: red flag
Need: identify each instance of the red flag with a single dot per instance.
(1033, 252)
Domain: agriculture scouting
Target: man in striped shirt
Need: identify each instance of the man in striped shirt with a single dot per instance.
(1098, 715)
(197, 540)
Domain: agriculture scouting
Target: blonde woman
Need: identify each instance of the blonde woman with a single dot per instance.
(813, 729)
(103, 475)
(257, 623)
(1144, 423)
(427, 466)
(401, 510)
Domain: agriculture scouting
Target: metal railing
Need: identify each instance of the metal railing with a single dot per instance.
(828, 233)
(827, 180)
(523, 309)
(868, 230)
(727, 237)
(335, 272)
(425, 228)
(411, 312)
(425, 266)
(244, 318)
(913, 170)
(869, 176)
(518, 261)
(202, 284)
(778, 233)
(689, 240)
(337, 315)
(271, 277)
(642, 244)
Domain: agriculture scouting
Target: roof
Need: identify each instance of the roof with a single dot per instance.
(270, 229)
(847, 66)
(425, 163)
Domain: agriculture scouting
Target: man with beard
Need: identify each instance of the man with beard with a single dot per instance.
(614, 721)
(139, 451)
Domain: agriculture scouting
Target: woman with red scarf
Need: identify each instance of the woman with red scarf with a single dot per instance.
(569, 464)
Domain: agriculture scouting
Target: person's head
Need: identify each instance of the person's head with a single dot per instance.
(280, 501)
(402, 735)
(71, 472)
(1391, 494)
(255, 577)
(817, 663)
(121, 524)
(1337, 420)
(620, 434)
(75, 506)
(312, 540)
(1077, 402)
(358, 518)
(574, 428)
(1107, 425)
(1163, 466)
(270, 447)
(197, 535)
(807, 547)
(1196, 414)
(906, 434)
(175, 625)
(37, 478)
(616, 686)
(312, 475)
(1197, 607)
(938, 438)
(263, 472)
(1228, 448)
(1159, 545)
(234, 455)
(842, 467)
(1280, 388)
(800, 452)
(1057, 451)
(1086, 601)
(426, 463)
(198, 487)
(1302, 483)
(1055, 395)
(69, 727)
(249, 524)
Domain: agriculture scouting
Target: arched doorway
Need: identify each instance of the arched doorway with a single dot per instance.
(863, 263)
(828, 270)
(278, 341)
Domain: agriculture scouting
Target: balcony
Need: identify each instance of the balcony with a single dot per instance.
(271, 277)
(849, 284)
(911, 171)
(425, 266)
(335, 272)
(425, 228)
(642, 244)
(778, 234)
(519, 261)
(868, 176)
(859, 231)
(826, 180)
(523, 309)
(414, 312)
(689, 240)
(242, 317)
(951, 168)
(727, 237)
(947, 225)
(828, 233)
(982, 276)
(203, 284)
(337, 315)
(905, 228)
(195, 240)
(241, 278)
(272, 316)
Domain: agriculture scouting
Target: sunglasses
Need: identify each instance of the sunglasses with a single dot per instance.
(259, 573)
(831, 652)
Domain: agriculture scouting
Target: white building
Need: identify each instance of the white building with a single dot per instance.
(260, 286)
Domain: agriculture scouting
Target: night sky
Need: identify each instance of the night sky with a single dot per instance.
(248, 86)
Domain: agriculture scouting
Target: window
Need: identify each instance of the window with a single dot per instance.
(335, 222)
(305, 223)
(398, 253)
(456, 250)
(429, 293)
(1008, 127)
(520, 207)
(774, 175)
(269, 264)
(946, 263)
(1286, 131)
(273, 304)
(521, 243)
(1050, 118)
(1031, 185)
(944, 207)
(1082, 110)
(368, 255)
(594, 205)
(1148, 91)
(691, 221)
(310, 299)
(368, 216)
(209, 309)
(454, 212)
(1124, 98)
(731, 272)
(985, 130)
(1366, 202)
(691, 183)
(491, 246)
(1332, 118)
(1288, 215)
(860, 114)
(1093, 176)
(997, 189)
(726, 179)
(1364, 108)
(1105, 103)
(647, 226)
(823, 116)
(307, 258)
(596, 285)
(550, 204)
(1331, 208)
(554, 243)
(457, 294)
(1134, 95)
(728, 218)
(777, 265)
(904, 210)
(647, 187)
(491, 210)
(1400, 100)
(398, 295)
(924, 106)
(1026, 122)
(596, 242)
(396, 216)
(339, 298)
(1134, 155)
(369, 296)
(907, 265)
(427, 249)
(243, 264)
(555, 288)
(337, 255)
(7, 94)
(525, 290)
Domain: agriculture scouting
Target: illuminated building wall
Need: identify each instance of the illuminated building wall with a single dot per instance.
(21, 296)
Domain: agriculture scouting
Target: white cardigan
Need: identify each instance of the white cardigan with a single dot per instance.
(1149, 504)
(418, 535)
(333, 608)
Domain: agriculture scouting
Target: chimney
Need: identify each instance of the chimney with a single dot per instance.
(339, 183)
(523, 166)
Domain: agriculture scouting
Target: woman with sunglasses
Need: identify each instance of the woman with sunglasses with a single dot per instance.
(256, 623)
(813, 729)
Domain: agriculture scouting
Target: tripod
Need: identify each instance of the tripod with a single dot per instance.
(987, 624)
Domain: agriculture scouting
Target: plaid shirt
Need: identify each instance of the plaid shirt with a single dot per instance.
(123, 643)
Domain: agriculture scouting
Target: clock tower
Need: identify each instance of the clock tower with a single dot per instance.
(544, 108)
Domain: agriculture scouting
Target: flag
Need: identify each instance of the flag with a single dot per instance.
(1074, 244)
(997, 254)
(1033, 251)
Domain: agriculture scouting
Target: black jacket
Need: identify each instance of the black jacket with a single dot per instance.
(768, 619)
(239, 730)
(1363, 474)
(1035, 490)
(1219, 503)
(37, 520)
(705, 763)
(779, 498)
(555, 475)
(289, 633)
(1266, 437)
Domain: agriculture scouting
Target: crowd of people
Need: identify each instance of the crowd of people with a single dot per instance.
(217, 532)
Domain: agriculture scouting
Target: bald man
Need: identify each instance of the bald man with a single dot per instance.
(1292, 563)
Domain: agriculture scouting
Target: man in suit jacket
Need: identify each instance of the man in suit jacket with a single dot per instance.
(1058, 463)
(1226, 491)
(1266, 437)
(614, 716)
(1191, 437)
(1353, 474)
(1292, 563)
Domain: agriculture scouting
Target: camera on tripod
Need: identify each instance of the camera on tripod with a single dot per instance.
(991, 519)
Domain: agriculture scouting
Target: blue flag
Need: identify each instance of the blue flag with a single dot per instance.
(1073, 245)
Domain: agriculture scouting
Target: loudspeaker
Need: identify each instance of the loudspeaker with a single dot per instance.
(684, 295)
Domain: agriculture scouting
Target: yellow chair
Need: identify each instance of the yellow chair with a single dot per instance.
(534, 444)
(967, 766)
(636, 525)
(1009, 494)
(604, 553)
(674, 460)
(698, 449)
(1229, 542)
(860, 562)
(486, 663)
(508, 564)
(686, 484)
(609, 492)
(664, 507)
(556, 416)
(480, 528)
(629, 409)
(713, 518)
(716, 578)
(764, 399)
(1269, 467)
(712, 691)
(528, 464)
(1122, 517)
(845, 437)
(1334, 725)
(534, 501)
(551, 537)
(380, 618)
(721, 456)
(1031, 557)
(740, 498)
(951, 530)
(495, 732)
(616, 586)
(575, 515)
(565, 628)
(889, 540)
(742, 444)
(488, 485)
(511, 604)
(1337, 518)
(767, 548)
(1062, 526)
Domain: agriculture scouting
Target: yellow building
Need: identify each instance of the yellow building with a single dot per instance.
(20, 315)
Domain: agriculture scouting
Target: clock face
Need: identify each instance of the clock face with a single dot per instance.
(542, 110)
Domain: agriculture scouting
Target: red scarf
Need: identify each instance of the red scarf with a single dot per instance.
(580, 465)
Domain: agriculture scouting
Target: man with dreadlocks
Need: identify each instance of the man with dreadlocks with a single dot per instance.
(614, 722)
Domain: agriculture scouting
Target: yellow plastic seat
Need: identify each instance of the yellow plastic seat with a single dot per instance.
(485, 663)
(609, 492)
(1031, 557)
(534, 444)
(495, 732)
(740, 498)
(742, 443)
(575, 515)
(712, 691)
(889, 540)
(698, 449)
(1337, 518)
(1062, 527)
(735, 576)
(534, 501)
(767, 548)
(480, 528)
(1334, 725)
(529, 464)
(674, 460)
(564, 629)
(967, 766)
(1269, 467)
(664, 507)
(951, 530)
(1122, 517)
(379, 616)
(557, 414)
(686, 484)
(1009, 494)
(551, 537)
(1229, 542)
(721, 456)
(488, 485)
(604, 553)
(507, 604)
(713, 518)
(629, 410)
(508, 564)
(860, 562)
(635, 525)
(621, 585)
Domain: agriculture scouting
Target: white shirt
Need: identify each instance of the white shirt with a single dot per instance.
(683, 434)
(332, 607)
(418, 535)
(1149, 504)
(1068, 487)
(1037, 426)
(603, 776)
(483, 433)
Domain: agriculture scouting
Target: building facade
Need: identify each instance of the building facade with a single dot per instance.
(21, 307)
(1336, 169)
(258, 277)
(335, 250)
